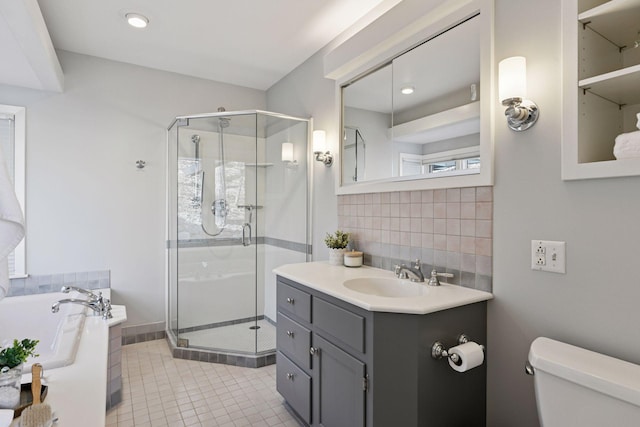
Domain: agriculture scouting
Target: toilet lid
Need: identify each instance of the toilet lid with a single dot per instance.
(608, 375)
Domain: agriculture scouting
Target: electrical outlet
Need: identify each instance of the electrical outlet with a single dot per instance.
(548, 255)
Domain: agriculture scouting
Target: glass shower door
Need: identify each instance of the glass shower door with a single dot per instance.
(217, 214)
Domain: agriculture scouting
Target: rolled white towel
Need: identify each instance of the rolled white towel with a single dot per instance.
(11, 224)
(627, 145)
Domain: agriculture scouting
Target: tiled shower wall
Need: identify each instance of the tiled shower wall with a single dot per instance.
(448, 229)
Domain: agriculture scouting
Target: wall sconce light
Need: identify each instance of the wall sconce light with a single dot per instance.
(521, 113)
(320, 147)
(287, 155)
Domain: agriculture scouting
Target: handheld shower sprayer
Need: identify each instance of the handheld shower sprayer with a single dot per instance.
(219, 206)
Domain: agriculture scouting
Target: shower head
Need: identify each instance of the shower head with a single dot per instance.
(223, 122)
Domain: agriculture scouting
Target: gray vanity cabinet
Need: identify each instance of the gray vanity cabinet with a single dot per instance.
(339, 365)
(321, 381)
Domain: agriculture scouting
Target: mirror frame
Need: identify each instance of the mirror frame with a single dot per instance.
(363, 58)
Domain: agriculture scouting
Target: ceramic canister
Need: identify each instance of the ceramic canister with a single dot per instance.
(353, 259)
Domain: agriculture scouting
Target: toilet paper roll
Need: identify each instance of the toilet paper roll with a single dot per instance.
(471, 355)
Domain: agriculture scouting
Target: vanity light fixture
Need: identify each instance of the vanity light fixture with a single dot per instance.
(407, 90)
(521, 113)
(136, 20)
(320, 148)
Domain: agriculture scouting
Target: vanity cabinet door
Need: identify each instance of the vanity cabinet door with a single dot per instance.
(338, 386)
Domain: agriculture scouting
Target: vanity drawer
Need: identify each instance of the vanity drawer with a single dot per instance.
(294, 301)
(294, 385)
(294, 340)
(348, 327)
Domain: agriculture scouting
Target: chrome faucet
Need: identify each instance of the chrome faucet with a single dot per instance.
(402, 272)
(91, 295)
(433, 280)
(100, 305)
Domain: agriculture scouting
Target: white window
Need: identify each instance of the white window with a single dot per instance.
(12, 144)
(459, 161)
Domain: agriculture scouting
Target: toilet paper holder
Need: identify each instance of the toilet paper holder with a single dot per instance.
(438, 350)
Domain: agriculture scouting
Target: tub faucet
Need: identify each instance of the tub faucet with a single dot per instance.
(91, 295)
(415, 271)
(101, 306)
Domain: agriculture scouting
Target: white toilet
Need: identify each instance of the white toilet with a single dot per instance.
(578, 387)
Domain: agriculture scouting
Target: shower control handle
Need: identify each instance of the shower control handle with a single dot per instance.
(246, 227)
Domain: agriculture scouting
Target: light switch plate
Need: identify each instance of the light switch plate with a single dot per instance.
(547, 255)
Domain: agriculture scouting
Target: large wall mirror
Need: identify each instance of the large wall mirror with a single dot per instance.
(420, 120)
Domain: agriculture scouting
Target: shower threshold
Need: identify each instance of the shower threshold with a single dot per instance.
(232, 344)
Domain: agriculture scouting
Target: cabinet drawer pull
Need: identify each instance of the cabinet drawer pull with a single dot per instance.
(290, 334)
(313, 351)
(290, 376)
(291, 301)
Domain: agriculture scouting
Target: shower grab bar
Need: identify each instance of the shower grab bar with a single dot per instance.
(244, 234)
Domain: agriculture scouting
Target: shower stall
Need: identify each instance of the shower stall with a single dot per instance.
(237, 208)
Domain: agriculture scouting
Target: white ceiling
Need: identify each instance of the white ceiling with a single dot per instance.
(252, 43)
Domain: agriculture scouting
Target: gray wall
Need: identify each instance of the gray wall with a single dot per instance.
(594, 304)
(306, 93)
(88, 207)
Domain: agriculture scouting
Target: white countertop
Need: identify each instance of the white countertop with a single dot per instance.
(78, 393)
(329, 279)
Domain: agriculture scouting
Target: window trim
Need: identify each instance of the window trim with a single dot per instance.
(460, 154)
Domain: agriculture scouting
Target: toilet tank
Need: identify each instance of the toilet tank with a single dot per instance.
(578, 387)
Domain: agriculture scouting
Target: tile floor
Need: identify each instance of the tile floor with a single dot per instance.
(159, 390)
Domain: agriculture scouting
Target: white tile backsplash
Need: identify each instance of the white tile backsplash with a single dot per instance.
(449, 229)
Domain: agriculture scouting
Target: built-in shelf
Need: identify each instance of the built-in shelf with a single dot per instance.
(453, 123)
(599, 107)
(620, 86)
(617, 19)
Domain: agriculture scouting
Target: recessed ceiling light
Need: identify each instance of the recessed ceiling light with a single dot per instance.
(137, 20)
(407, 90)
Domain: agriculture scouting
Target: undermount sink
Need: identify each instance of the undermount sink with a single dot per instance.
(387, 287)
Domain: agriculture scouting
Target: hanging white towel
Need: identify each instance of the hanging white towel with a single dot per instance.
(11, 224)
(627, 145)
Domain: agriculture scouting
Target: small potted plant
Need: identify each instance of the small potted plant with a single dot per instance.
(337, 244)
(11, 360)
